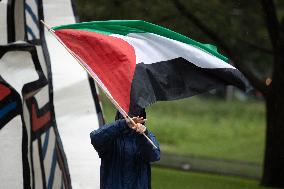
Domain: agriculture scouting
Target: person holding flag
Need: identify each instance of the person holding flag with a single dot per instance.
(137, 63)
(125, 153)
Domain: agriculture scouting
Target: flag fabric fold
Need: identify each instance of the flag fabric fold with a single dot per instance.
(140, 63)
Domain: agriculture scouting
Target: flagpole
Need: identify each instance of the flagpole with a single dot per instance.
(95, 77)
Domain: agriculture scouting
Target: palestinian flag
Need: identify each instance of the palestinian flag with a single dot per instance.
(140, 63)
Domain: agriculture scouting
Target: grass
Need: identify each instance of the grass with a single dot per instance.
(168, 179)
(207, 127)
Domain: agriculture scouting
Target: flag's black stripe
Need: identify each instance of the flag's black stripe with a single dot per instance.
(176, 79)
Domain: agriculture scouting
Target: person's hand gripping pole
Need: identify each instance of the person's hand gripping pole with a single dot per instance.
(139, 125)
(136, 123)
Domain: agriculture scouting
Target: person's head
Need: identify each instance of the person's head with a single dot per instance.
(118, 116)
(138, 112)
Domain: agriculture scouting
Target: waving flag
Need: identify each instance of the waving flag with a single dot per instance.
(140, 63)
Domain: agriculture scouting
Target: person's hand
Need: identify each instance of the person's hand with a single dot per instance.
(140, 128)
(139, 120)
(137, 124)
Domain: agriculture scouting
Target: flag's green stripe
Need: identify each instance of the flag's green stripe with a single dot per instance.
(124, 27)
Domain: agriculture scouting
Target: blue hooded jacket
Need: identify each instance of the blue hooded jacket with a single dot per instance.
(125, 156)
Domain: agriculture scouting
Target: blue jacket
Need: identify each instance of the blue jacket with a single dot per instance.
(125, 156)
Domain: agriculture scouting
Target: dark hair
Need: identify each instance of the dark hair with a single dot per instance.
(118, 116)
(139, 112)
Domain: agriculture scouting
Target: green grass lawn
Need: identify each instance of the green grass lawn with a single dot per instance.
(169, 179)
(207, 127)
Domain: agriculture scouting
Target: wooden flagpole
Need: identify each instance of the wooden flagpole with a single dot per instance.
(96, 78)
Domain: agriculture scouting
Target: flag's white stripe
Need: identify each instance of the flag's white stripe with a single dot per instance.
(151, 48)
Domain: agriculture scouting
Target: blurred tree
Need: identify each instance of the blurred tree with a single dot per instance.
(250, 33)
(271, 44)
